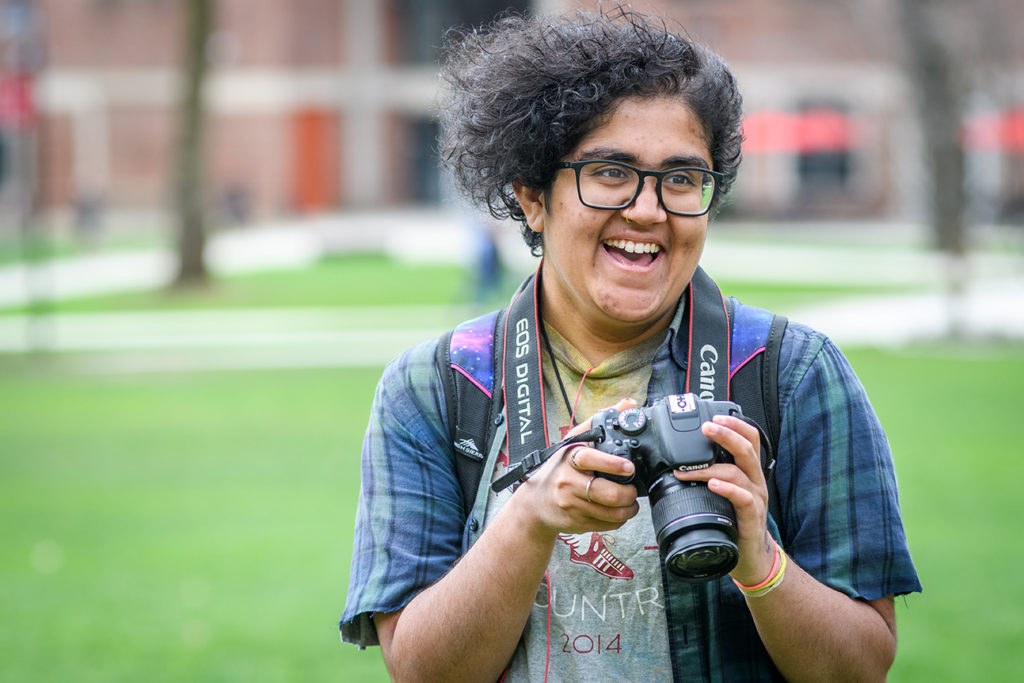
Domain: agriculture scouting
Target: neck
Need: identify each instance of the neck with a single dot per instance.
(600, 339)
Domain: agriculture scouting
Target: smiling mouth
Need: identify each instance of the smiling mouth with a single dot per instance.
(635, 252)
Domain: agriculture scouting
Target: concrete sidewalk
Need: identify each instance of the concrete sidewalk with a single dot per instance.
(763, 253)
(991, 307)
(114, 272)
(232, 339)
(228, 339)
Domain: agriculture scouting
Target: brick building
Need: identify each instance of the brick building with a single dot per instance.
(324, 105)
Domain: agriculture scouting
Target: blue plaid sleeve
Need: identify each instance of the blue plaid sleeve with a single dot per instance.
(835, 475)
(409, 521)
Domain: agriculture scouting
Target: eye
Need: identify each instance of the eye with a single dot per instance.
(682, 179)
(608, 172)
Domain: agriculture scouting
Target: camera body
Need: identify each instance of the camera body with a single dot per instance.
(696, 528)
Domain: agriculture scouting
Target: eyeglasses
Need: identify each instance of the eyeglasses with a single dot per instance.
(683, 191)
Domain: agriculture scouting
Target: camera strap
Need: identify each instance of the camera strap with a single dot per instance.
(535, 459)
(703, 339)
(523, 386)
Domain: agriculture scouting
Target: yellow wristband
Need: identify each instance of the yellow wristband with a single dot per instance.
(771, 573)
(772, 583)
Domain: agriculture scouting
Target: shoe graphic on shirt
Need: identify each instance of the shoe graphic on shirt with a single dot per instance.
(597, 555)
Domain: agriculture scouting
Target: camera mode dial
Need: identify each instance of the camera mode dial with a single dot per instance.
(632, 421)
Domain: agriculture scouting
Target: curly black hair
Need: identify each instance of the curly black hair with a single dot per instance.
(522, 92)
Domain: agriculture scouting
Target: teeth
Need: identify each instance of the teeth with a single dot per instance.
(634, 247)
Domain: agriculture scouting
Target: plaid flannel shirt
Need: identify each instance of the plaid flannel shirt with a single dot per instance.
(841, 520)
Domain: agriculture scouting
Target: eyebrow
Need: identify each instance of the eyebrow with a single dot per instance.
(612, 154)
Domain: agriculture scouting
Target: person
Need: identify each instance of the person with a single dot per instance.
(611, 139)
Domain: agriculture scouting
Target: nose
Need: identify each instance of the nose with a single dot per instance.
(646, 209)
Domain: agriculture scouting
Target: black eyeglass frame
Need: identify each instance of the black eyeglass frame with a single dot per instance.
(642, 173)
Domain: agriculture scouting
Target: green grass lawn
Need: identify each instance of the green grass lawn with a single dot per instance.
(197, 526)
(953, 418)
(174, 528)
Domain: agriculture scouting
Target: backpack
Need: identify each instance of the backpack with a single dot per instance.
(470, 366)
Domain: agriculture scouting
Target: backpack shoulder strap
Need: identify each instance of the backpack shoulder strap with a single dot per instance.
(770, 375)
(754, 375)
(469, 366)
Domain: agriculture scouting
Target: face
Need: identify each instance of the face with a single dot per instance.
(603, 275)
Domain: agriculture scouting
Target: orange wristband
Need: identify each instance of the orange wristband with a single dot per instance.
(772, 574)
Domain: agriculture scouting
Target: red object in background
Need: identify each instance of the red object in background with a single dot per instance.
(17, 105)
(823, 130)
(813, 131)
(769, 131)
(314, 155)
(1013, 130)
(991, 132)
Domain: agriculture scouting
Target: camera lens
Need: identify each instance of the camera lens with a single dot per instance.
(696, 529)
(701, 555)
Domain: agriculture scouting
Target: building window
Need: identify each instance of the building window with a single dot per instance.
(424, 170)
(823, 146)
(422, 23)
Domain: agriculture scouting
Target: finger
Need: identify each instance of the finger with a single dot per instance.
(740, 439)
(747, 430)
(739, 496)
(606, 518)
(572, 451)
(601, 463)
(586, 491)
(587, 459)
(600, 493)
(625, 403)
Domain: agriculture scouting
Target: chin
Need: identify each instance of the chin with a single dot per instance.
(636, 309)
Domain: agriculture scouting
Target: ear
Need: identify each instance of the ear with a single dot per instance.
(532, 202)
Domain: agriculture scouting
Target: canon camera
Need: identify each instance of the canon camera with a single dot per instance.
(696, 529)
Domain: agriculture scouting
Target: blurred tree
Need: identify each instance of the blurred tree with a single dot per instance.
(953, 48)
(189, 176)
(933, 65)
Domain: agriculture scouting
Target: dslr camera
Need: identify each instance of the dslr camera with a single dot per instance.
(696, 529)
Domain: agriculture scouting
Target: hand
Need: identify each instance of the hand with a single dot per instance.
(566, 496)
(744, 485)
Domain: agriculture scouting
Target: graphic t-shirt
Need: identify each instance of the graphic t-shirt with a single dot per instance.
(603, 590)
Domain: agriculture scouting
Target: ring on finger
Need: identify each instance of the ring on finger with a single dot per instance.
(589, 484)
(572, 458)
